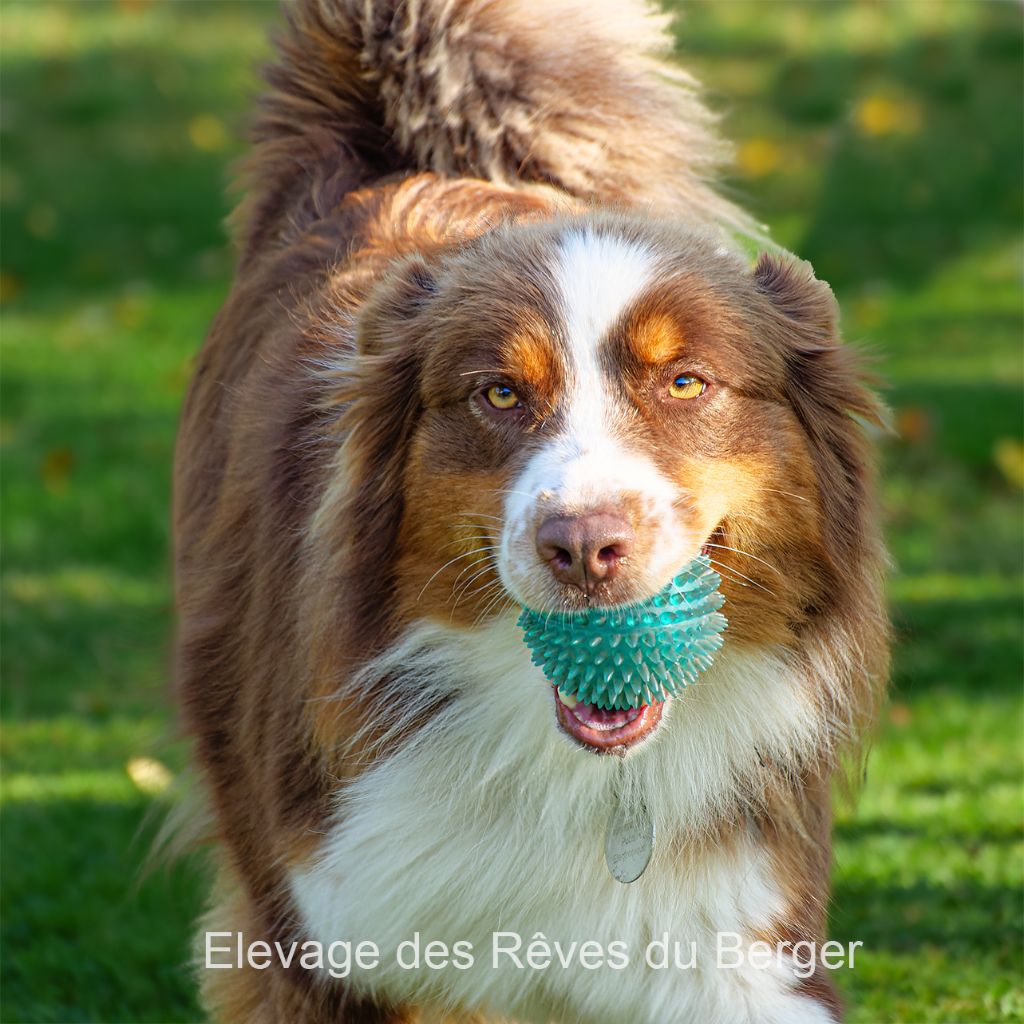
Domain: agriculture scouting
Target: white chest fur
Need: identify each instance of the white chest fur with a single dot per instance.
(490, 821)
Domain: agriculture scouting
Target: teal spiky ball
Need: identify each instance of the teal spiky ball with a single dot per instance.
(628, 655)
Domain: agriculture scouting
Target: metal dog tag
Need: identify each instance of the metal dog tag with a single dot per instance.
(629, 841)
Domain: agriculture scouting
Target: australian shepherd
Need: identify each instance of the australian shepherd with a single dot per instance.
(496, 341)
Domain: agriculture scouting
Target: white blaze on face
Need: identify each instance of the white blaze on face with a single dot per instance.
(588, 465)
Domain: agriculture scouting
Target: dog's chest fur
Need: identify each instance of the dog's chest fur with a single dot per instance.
(488, 821)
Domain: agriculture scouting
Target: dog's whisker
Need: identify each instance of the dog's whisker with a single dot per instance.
(458, 591)
(731, 572)
(487, 543)
(485, 552)
(500, 592)
(486, 598)
(475, 536)
(747, 554)
(482, 589)
(477, 526)
(508, 490)
(788, 494)
(455, 585)
(469, 591)
(436, 573)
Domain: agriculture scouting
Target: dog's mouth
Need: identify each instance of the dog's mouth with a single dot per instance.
(613, 731)
(606, 731)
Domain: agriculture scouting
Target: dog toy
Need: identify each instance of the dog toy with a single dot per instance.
(629, 655)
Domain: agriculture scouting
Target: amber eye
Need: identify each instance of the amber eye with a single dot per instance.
(685, 386)
(501, 396)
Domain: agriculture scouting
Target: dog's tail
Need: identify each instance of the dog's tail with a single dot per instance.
(577, 94)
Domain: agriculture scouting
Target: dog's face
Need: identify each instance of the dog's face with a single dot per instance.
(596, 406)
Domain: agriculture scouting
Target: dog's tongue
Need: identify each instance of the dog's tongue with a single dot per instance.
(602, 718)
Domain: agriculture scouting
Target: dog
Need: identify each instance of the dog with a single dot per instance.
(494, 341)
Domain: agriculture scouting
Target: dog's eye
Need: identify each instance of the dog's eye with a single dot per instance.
(501, 396)
(685, 386)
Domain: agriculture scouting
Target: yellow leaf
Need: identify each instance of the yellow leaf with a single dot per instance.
(758, 157)
(207, 132)
(149, 775)
(882, 115)
(1008, 455)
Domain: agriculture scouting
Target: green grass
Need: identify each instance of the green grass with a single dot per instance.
(881, 141)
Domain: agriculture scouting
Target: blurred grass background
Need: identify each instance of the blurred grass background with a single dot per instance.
(882, 141)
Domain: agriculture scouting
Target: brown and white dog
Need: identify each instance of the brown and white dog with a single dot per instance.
(490, 344)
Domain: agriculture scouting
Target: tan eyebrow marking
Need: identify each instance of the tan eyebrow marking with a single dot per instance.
(531, 354)
(655, 338)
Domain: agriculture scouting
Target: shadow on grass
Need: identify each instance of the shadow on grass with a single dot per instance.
(959, 646)
(963, 918)
(99, 658)
(938, 829)
(80, 917)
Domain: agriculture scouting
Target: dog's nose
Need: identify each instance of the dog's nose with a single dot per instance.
(585, 550)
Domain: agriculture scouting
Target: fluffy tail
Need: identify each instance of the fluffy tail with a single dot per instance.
(577, 94)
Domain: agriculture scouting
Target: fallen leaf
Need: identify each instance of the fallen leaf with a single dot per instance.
(758, 157)
(56, 468)
(899, 715)
(883, 115)
(148, 774)
(913, 424)
(1008, 455)
(207, 133)
(10, 286)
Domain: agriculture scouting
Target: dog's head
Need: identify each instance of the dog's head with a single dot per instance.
(565, 414)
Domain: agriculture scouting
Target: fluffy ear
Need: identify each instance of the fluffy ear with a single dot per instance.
(826, 388)
(382, 407)
(399, 299)
(798, 294)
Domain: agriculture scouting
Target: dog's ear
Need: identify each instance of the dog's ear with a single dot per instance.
(798, 294)
(826, 388)
(383, 404)
(400, 299)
